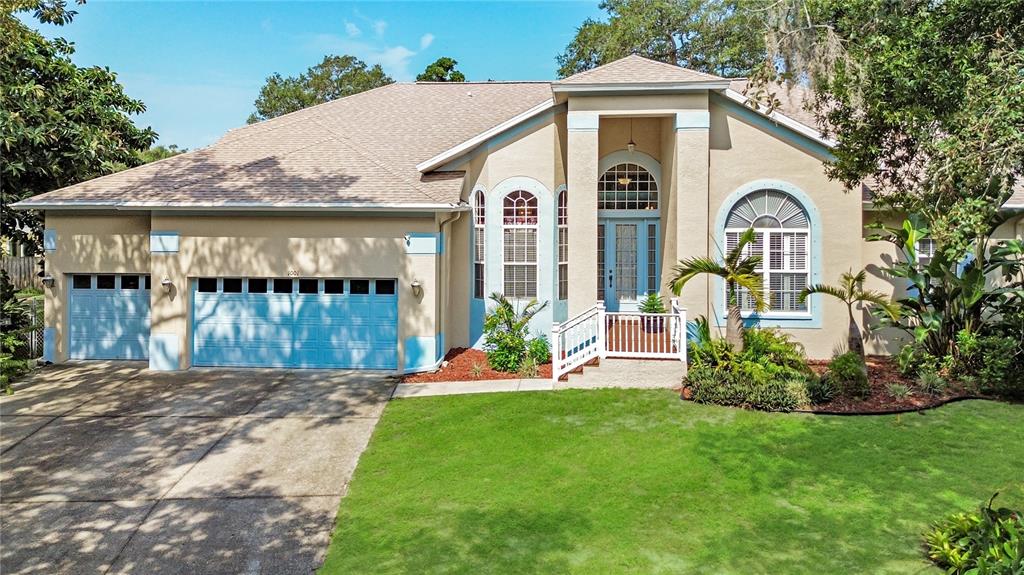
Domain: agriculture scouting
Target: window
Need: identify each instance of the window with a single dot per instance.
(600, 262)
(563, 245)
(232, 285)
(385, 287)
(479, 251)
(257, 285)
(334, 286)
(309, 286)
(519, 235)
(129, 282)
(652, 258)
(782, 238)
(207, 285)
(149, 282)
(282, 285)
(82, 282)
(359, 287)
(925, 250)
(104, 282)
(627, 187)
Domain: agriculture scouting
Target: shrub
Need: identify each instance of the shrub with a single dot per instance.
(899, 390)
(476, 370)
(931, 382)
(996, 363)
(990, 541)
(913, 358)
(848, 374)
(528, 369)
(652, 304)
(539, 350)
(821, 390)
(505, 333)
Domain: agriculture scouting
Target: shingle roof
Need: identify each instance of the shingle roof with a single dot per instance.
(362, 149)
(791, 97)
(637, 70)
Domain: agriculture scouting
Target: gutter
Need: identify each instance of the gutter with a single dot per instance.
(237, 206)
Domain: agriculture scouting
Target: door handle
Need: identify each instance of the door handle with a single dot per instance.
(610, 274)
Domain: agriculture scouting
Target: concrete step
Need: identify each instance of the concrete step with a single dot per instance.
(627, 373)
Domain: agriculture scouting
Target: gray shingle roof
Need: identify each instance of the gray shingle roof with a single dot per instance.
(637, 70)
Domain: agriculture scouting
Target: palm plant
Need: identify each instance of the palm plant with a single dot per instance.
(851, 292)
(506, 332)
(739, 272)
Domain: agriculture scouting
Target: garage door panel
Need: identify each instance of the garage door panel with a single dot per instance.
(298, 330)
(108, 323)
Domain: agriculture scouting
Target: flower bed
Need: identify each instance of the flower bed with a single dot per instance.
(467, 364)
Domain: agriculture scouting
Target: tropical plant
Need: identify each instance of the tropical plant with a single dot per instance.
(953, 292)
(851, 292)
(849, 375)
(652, 303)
(506, 331)
(739, 272)
(989, 542)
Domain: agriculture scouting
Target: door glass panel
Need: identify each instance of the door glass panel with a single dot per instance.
(600, 262)
(625, 261)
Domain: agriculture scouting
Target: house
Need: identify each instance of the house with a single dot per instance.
(368, 232)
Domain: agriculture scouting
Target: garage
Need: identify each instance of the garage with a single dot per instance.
(109, 316)
(343, 323)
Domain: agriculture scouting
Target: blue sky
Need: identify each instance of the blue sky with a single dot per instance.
(198, 66)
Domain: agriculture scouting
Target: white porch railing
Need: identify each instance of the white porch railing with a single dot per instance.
(596, 333)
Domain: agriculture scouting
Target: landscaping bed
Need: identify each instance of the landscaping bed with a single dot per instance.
(468, 364)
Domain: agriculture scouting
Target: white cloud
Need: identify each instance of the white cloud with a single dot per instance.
(379, 26)
(394, 59)
(352, 30)
(426, 40)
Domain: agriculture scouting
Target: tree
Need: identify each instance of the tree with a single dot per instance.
(739, 272)
(851, 292)
(60, 124)
(161, 152)
(335, 77)
(722, 37)
(442, 70)
(924, 98)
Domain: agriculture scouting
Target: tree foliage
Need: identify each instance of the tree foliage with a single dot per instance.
(851, 292)
(160, 152)
(335, 77)
(925, 98)
(442, 70)
(60, 124)
(722, 37)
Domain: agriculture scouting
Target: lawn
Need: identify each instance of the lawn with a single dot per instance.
(629, 481)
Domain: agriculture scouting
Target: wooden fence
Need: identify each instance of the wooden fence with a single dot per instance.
(22, 270)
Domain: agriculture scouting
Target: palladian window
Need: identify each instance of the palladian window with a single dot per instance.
(627, 187)
(782, 237)
(519, 235)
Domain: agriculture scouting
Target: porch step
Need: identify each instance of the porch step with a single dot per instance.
(626, 373)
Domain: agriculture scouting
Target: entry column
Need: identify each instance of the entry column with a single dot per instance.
(581, 176)
(693, 237)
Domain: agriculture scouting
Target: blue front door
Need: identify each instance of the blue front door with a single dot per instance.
(628, 262)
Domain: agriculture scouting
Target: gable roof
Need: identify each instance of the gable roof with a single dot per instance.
(358, 152)
(636, 70)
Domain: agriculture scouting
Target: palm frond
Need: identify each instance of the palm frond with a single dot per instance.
(687, 269)
(881, 301)
(837, 292)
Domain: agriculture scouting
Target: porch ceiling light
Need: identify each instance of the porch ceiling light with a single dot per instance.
(624, 181)
(631, 145)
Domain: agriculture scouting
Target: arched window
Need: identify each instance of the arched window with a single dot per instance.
(479, 251)
(782, 237)
(519, 235)
(563, 246)
(627, 187)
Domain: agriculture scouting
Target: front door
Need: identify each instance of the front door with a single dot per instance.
(627, 261)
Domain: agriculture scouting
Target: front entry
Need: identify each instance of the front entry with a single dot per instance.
(628, 266)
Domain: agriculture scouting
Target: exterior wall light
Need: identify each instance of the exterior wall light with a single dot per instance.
(48, 281)
(417, 288)
(166, 284)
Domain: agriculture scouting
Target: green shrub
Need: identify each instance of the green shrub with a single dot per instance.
(528, 369)
(652, 304)
(849, 375)
(931, 382)
(913, 358)
(989, 542)
(821, 390)
(996, 363)
(539, 350)
(768, 346)
(899, 390)
(505, 333)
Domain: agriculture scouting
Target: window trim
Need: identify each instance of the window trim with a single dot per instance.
(528, 225)
(562, 225)
(479, 247)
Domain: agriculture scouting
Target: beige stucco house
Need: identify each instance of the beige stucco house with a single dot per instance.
(368, 232)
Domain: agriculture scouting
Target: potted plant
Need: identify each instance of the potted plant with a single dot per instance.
(653, 304)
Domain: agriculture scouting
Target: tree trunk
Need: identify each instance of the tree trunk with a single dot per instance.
(854, 342)
(734, 328)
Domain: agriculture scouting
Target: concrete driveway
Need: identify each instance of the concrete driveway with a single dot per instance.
(108, 468)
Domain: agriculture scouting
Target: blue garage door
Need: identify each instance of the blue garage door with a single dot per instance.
(285, 322)
(108, 316)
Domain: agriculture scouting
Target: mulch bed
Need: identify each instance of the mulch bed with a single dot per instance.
(458, 365)
(882, 372)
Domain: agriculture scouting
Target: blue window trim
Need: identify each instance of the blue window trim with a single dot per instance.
(477, 306)
(814, 320)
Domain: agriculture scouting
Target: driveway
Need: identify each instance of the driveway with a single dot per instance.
(109, 468)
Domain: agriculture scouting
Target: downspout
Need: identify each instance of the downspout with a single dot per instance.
(446, 274)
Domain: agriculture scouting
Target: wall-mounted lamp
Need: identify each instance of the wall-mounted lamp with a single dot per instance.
(166, 284)
(48, 281)
(417, 288)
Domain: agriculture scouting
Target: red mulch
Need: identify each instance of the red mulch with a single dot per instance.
(883, 371)
(458, 366)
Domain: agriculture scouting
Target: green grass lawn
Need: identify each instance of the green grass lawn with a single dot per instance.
(627, 481)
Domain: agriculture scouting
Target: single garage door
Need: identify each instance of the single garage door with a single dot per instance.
(286, 322)
(108, 316)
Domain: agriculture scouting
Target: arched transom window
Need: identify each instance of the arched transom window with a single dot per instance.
(563, 246)
(627, 187)
(782, 237)
(519, 250)
(479, 237)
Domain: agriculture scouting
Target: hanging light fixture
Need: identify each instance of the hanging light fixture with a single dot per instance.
(631, 145)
